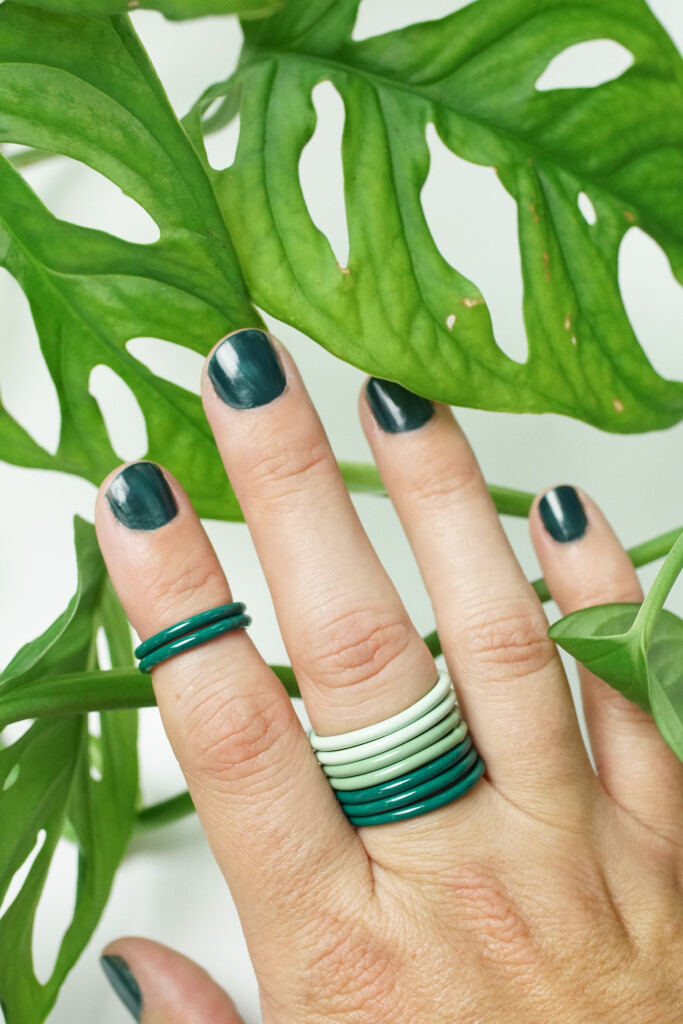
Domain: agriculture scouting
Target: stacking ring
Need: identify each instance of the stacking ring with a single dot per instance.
(409, 764)
(190, 633)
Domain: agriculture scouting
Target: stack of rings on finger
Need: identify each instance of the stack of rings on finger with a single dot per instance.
(190, 633)
(414, 762)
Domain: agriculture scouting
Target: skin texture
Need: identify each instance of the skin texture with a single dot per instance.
(546, 893)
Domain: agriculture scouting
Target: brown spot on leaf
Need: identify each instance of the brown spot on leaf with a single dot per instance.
(344, 270)
(618, 405)
(629, 216)
(466, 301)
(574, 340)
(450, 321)
(567, 323)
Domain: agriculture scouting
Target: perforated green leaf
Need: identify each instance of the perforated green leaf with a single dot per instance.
(84, 87)
(473, 76)
(46, 786)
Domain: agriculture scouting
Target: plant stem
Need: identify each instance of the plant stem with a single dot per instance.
(164, 813)
(659, 591)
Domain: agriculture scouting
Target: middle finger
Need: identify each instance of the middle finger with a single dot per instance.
(355, 653)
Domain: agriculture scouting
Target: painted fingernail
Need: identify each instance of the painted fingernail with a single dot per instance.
(562, 514)
(245, 370)
(395, 408)
(140, 498)
(124, 984)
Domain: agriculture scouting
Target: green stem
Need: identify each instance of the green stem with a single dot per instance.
(164, 813)
(659, 591)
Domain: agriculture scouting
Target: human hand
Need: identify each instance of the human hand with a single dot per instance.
(545, 893)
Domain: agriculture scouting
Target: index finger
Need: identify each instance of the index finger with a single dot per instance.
(252, 775)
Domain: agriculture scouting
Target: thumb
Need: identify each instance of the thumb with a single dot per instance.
(160, 986)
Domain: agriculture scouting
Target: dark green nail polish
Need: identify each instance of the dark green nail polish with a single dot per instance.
(140, 498)
(395, 408)
(245, 370)
(562, 514)
(123, 982)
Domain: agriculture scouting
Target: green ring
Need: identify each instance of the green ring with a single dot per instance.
(418, 793)
(200, 636)
(441, 799)
(223, 611)
(403, 782)
(392, 771)
(369, 764)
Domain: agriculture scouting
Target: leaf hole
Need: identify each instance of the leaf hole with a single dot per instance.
(584, 65)
(321, 173)
(26, 386)
(103, 656)
(221, 146)
(75, 192)
(476, 233)
(11, 777)
(175, 363)
(22, 873)
(13, 732)
(121, 412)
(375, 17)
(55, 909)
(586, 207)
(653, 299)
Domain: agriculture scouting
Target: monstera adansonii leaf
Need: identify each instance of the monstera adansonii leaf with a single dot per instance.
(398, 310)
(58, 779)
(636, 648)
(83, 86)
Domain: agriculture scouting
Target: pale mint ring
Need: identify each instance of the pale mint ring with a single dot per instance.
(412, 746)
(394, 739)
(407, 764)
(389, 725)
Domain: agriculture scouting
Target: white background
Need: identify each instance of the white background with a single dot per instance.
(169, 887)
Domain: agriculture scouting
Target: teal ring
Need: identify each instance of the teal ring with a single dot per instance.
(223, 611)
(200, 636)
(348, 798)
(441, 799)
(418, 793)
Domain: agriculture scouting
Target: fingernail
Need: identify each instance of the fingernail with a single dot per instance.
(140, 498)
(123, 982)
(245, 370)
(562, 513)
(395, 408)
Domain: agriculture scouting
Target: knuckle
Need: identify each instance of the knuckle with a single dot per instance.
(513, 640)
(353, 647)
(233, 738)
(437, 485)
(192, 579)
(289, 463)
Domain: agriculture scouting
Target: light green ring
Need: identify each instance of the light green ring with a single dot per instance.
(392, 771)
(389, 725)
(369, 764)
(394, 739)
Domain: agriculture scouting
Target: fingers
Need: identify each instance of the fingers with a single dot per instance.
(493, 631)
(253, 778)
(584, 564)
(157, 985)
(356, 654)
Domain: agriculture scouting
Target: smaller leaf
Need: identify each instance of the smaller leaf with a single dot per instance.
(609, 642)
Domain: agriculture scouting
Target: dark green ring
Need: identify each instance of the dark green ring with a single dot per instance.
(407, 781)
(417, 793)
(200, 636)
(223, 611)
(446, 796)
